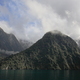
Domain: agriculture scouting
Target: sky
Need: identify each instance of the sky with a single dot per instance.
(31, 19)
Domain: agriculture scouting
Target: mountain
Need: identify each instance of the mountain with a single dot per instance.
(54, 51)
(2, 56)
(25, 43)
(9, 42)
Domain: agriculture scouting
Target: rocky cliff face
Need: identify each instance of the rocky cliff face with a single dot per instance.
(53, 51)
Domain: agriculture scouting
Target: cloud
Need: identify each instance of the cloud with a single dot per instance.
(7, 52)
(4, 25)
(31, 19)
(49, 19)
(57, 15)
(14, 10)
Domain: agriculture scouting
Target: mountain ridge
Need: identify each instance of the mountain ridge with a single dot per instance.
(50, 52)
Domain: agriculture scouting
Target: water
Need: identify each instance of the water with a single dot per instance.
(39, 75)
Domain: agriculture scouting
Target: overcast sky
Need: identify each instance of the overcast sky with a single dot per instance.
(31, 19)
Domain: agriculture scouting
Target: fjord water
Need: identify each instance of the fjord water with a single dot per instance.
(39, 75)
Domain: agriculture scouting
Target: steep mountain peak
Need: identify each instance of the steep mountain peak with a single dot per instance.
(9, 42)
(54, 33)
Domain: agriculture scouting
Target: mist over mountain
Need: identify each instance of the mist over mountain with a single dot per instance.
(25, 43)
(52, 51)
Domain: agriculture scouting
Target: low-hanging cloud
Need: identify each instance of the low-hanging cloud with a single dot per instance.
(31, 19)
(8, 52)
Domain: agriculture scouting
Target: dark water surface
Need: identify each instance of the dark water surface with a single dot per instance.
(39, 75)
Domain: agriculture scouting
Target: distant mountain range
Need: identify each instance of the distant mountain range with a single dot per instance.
(54, 51)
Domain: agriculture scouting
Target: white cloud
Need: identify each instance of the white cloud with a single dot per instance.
(4, 25)
(52, 20)
(46, 15)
